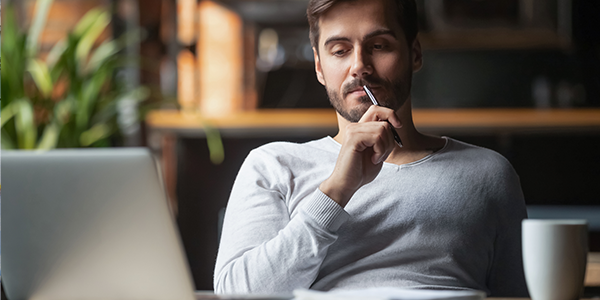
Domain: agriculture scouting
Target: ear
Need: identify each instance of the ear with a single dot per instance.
(318, 68)
(417, 55)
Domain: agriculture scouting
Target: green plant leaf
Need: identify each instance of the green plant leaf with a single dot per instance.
(107, 110)
(215, 144)
(25, 124)
(138, 94)
(50, 136)
(87, 100)
(41, 76)
(94, 134)
(7, 113)
(63, 110)
(86, 22)
(56, 52)
(9, 30)
(13, 57)
(213, 140)
(67, 64)
(7, 142)
(105, 51)
(89, 37)
(39, 21)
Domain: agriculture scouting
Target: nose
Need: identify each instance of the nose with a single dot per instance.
(361, 64)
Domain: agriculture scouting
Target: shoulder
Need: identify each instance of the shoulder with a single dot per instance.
(475, 154)
(293, 155)
(477, 160)
(283, 151)
(275, 165)
(490, 170)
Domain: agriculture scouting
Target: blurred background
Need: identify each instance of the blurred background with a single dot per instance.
(181, 73)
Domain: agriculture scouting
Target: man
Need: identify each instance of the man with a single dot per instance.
(357, 210)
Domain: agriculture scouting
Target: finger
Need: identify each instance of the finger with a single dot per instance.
(375, 136)
(378, 113)
(394, 120)
(383, 147)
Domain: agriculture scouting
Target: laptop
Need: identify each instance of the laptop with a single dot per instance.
(89, 224)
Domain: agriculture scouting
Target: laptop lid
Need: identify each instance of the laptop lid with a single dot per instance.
(89, 224)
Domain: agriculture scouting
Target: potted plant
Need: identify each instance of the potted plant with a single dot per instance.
(70, 99)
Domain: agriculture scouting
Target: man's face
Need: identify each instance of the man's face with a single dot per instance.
(360, 43)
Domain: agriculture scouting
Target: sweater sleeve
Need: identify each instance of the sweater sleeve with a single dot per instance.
(506, 277)
(264, 247)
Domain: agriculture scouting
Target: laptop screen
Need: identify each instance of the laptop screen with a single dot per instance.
(89, 223)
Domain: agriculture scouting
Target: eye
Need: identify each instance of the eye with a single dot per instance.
(379, 46)
(339, 52)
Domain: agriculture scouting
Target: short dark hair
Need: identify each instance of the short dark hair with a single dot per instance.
(406, 15)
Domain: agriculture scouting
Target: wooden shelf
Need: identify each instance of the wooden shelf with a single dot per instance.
(510, 120)
(249, 119)
(301, 121)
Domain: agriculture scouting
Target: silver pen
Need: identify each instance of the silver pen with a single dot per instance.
(372, 97)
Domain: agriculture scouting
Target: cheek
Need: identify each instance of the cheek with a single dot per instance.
(392, 65)
(333, 73)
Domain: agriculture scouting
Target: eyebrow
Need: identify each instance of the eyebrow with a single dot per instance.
(366, 37)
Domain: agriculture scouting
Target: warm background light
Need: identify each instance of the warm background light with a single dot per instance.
(186, 21)
(220, 60)
(186, 86)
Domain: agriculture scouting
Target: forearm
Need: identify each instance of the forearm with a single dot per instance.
(281, 263)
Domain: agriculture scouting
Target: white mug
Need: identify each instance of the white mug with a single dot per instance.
(555, 258)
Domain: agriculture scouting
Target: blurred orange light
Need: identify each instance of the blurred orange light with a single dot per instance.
(186, 21)
(186, 85)
(220, 59)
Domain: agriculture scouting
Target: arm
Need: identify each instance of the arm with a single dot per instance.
(263, 248)
(506, 277)
(266, 248)
(366, 145)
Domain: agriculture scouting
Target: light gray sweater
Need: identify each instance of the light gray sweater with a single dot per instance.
(451, 220)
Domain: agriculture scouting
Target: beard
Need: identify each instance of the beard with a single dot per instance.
(399, 92)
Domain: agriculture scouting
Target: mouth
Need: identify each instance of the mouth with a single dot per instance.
(357, 92)
(354, 89)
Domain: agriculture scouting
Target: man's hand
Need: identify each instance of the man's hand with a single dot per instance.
(365, 147)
